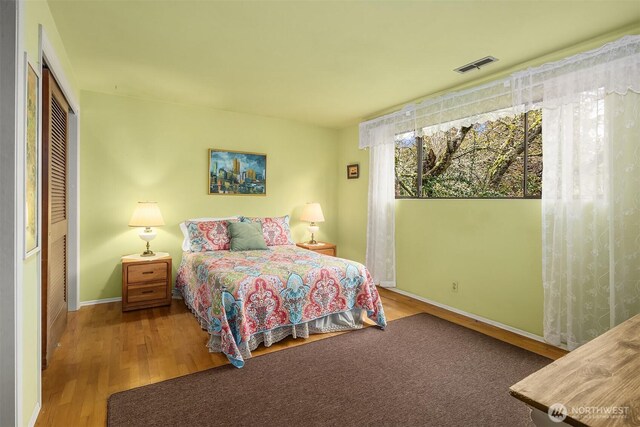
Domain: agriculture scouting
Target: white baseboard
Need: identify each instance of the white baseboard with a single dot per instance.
(99, 301)
(34, 415)
(106, 300)
(472, 316)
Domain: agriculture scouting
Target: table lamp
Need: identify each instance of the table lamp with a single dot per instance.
(147, 215)
(312, 213)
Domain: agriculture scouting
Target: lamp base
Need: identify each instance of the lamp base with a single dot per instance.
(148, 252)
(313, 228)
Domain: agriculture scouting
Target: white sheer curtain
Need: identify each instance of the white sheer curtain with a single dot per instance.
(381, 249)
(490, 101)
(590, 189)
(614, 68)
(591, 215)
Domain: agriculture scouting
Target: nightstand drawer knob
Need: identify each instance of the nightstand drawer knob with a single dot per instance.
(150, 291)
(147, 272)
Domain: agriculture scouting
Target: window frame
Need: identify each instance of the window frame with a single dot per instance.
(525, 196)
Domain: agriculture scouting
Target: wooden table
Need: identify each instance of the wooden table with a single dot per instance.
(598, 383)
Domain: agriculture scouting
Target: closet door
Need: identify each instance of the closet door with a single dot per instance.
(55, 141)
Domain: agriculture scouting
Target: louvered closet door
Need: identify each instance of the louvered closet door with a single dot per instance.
(55, 141)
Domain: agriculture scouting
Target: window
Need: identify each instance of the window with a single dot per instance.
(500, 158)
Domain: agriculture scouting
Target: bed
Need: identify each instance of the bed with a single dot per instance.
(246, 298)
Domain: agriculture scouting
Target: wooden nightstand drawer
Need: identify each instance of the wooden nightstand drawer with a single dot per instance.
(150, 272)
(331, 252)
(139, 293)
(320, 247)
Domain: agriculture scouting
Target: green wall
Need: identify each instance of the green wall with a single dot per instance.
(353, 196)
(492, 248)
(135, 150)
(30, 319)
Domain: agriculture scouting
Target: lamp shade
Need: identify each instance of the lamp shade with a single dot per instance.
(147, 214)
(312, 212)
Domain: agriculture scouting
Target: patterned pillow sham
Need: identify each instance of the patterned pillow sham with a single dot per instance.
(276, 230)
(209, 235)
(186, 242)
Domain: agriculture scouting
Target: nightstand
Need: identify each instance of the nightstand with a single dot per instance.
(146, 281)
(320, 247)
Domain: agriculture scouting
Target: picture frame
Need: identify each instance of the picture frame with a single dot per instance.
(237, 173)
(32, 155)
(353, 171)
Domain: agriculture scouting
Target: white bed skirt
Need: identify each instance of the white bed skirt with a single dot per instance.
(336, 322)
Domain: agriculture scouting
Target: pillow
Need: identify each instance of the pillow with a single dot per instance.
(246, 236)
(209, 235)
(276, 230)
(186, 243)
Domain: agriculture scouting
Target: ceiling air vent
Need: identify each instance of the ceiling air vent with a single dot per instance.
(475, 65)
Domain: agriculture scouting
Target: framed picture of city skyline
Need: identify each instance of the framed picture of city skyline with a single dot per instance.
(237, 173)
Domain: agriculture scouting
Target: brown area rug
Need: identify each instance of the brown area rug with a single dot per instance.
(421, 371)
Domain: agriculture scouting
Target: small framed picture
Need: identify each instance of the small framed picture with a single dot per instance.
(353, 171)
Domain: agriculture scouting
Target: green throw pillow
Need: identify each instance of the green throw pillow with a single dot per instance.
(246, 236)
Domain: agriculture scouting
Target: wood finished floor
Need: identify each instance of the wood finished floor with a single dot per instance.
(104, 351)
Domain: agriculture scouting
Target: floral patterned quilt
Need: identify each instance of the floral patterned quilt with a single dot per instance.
(238, 294)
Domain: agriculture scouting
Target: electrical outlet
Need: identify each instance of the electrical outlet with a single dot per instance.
(454, 286)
